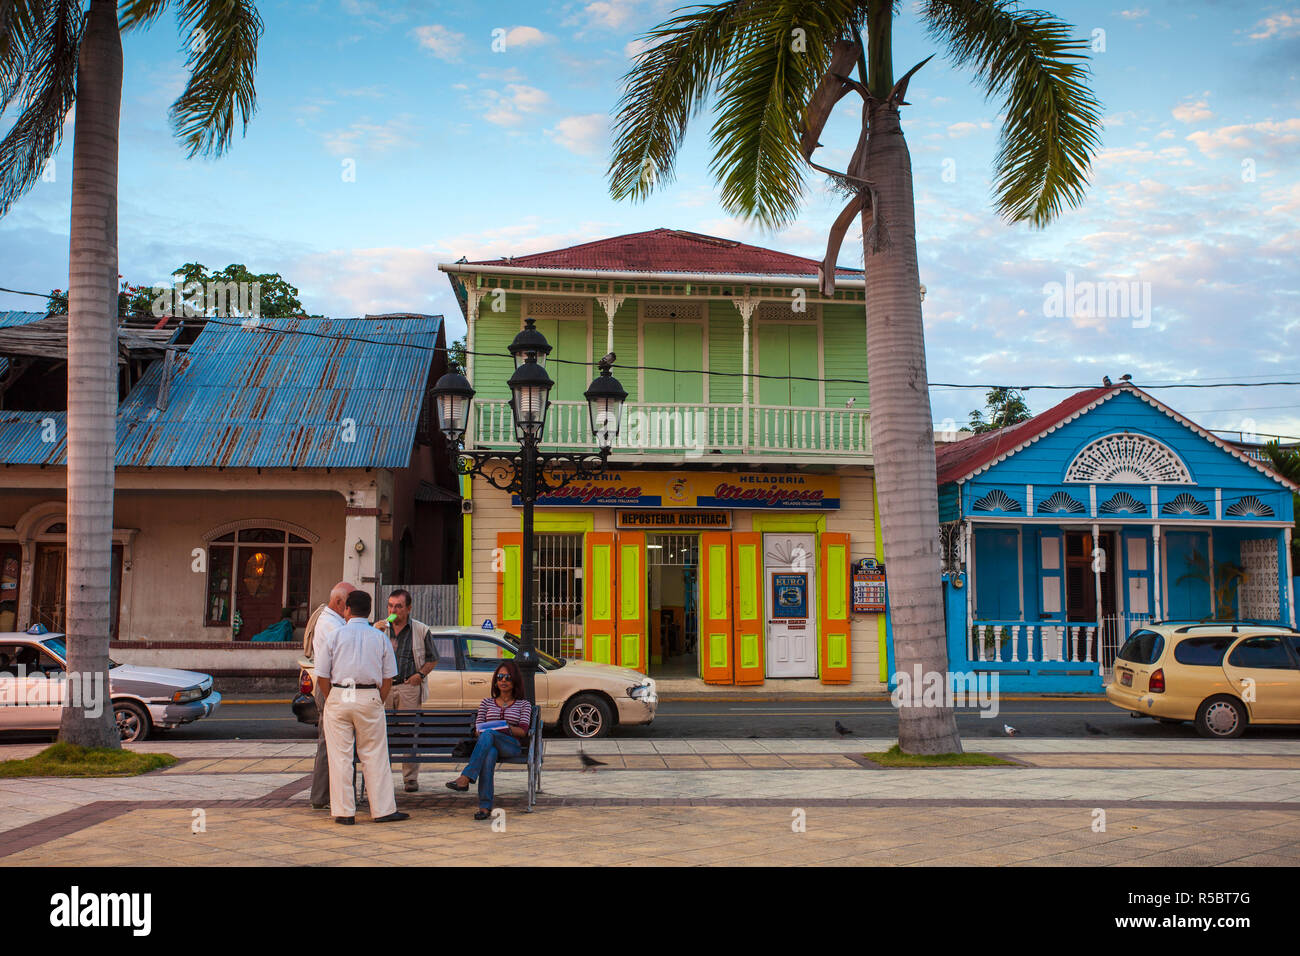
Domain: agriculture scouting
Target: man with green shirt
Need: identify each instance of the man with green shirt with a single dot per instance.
(416, 657)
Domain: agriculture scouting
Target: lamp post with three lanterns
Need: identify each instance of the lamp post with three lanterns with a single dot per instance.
(529, 472)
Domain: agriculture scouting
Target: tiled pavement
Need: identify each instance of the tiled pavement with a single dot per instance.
(1184, 802)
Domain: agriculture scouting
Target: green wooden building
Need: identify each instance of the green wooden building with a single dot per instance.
(744, 459)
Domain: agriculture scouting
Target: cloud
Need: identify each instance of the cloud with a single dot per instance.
(441, 42)
(508, 109)
(610, 14)
(1189, 112)
(372, 12)
(364, 136)
(586, 135)
(634, 48)
(525, 37)
(1137, 13)
(1267, 138)
(964, 128)
(1280, 25)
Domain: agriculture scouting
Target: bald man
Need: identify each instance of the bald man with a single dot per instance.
(324, 622)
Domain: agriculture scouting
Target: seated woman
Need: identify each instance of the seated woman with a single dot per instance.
(493, 744)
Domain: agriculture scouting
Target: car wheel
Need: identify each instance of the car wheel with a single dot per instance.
(132, 721)
(1221, 718)
(586, 716)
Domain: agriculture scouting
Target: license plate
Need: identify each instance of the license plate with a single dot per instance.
(1126, 678)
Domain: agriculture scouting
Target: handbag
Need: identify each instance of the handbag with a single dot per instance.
(463, 750)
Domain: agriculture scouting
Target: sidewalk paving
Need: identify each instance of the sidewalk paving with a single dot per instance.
(722, 801)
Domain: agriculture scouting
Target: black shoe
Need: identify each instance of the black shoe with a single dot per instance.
(451, 785)
(482, 814)
(412, 787)
(320, 806)
(393, 817)
(346, 821)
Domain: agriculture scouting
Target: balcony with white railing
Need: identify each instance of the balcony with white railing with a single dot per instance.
(1017, 642)
(693, 430)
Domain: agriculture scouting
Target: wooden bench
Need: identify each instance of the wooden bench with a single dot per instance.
(430, 736)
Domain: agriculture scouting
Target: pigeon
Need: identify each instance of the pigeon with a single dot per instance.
(1095, 731)
(842, 730)
(589, 763)
(851, 400)
(1009, 730)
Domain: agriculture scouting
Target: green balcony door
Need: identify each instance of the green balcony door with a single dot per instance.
(568, 338)
(677, 346)
(787, 350)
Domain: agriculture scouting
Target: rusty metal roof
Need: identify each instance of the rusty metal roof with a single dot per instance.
(286, 393)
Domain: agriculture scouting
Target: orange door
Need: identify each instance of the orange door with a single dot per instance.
(747, 571)
(508, 562)
(632, 644)
(715, 608)
(836, 666)
(600, 624)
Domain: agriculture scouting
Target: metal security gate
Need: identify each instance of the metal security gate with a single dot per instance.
(1114, 632)
(433, 604)
(557, 591)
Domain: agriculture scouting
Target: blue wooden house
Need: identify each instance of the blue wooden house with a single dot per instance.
(1063, 532)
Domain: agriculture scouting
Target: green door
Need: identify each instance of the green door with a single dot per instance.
(674, 353)
(788, 352)
(568, 338)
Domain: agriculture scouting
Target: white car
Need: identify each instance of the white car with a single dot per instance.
(34, 688)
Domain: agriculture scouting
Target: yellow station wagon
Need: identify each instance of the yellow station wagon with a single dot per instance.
(1223, 675)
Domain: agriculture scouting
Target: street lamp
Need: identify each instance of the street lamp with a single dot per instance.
(528, 472)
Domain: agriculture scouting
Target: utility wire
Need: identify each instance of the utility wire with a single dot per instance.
(249, 326)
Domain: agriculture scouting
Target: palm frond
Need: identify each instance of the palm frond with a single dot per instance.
(221, 36)
(23, 24)
(763, 104)
(44, 94)
(134, 14)
(1053, 123)
(671, 81)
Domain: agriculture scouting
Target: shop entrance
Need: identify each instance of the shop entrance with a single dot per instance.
(672, 591)
(790, 572)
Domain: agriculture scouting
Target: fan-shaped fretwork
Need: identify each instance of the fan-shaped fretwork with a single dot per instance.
(1061, 503)
(1185, 504)
(1128, 459)
(1123, 503)
(1249, 507)
(997, 500)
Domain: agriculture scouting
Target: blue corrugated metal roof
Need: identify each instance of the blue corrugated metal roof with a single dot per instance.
(9, 319)
(288, 393)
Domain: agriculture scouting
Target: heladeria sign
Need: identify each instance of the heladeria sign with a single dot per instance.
(668, 489)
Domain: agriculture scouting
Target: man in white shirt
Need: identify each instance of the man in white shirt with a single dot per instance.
(324, 622)
(355, 669)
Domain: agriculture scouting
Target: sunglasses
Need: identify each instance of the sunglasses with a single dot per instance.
(504, 677)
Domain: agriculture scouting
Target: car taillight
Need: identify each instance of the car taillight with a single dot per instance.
(1157, 683)
(304, 683)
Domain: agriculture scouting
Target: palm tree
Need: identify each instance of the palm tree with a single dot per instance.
(53, 56)
(778, 67)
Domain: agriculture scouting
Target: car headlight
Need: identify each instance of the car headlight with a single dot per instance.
(187, 695)
(642, 691)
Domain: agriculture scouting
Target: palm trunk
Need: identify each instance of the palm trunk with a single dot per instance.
(92, 374)
(901, 430)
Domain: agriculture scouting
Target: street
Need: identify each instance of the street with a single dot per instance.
(251, 719)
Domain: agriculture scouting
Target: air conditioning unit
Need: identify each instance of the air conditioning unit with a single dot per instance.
(466, 506)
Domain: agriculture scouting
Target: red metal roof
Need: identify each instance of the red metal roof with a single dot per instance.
(670, 250)
(958, 459)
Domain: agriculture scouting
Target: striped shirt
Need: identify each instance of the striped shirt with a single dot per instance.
(519, 713)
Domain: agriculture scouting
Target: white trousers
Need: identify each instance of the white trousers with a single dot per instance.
(407, 697)
(358, 716)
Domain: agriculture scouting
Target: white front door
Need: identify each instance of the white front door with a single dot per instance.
(789, 574)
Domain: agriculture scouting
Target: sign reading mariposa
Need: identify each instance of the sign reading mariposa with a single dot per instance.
(699, 489)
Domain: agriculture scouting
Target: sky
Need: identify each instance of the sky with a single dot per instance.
(392, 135)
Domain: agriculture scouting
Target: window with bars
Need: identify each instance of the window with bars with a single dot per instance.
(557, 592)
